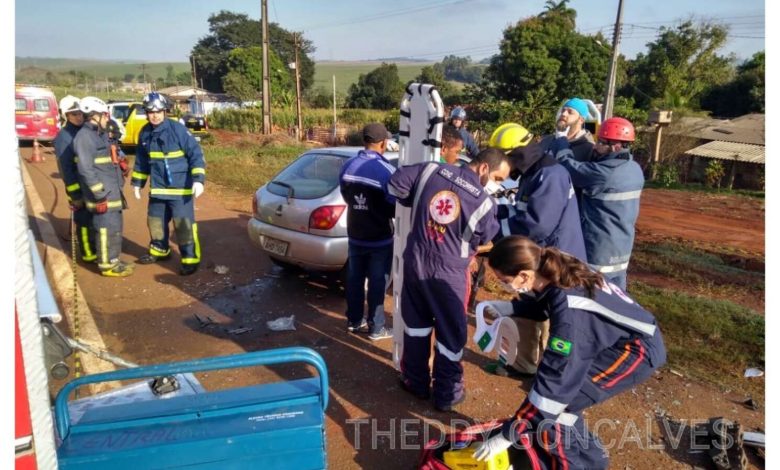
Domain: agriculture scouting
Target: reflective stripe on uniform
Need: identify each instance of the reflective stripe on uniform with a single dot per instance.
(591, 305)
(475, 218)
(175, 154)
(101, 160)
(418, 332)
(96, 187)
(628, 195)
(452, 356)
(521, 206)
(567, 419)
(155, 252)
(546, 404)
(140, 176)
(196, 241)
(103, 232)
(73, 187)
(426, 174)
(615, 268)
(111, 204)
(171, 192)
(87, 250)
(198, 171)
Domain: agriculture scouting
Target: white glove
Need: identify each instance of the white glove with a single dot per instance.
(197, 189)
(562, 133)
(137, 192)
(499, 308)
(492, 447)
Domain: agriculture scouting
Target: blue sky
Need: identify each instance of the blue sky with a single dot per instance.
(166, 30)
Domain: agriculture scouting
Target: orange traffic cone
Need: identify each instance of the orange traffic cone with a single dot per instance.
(36, 155)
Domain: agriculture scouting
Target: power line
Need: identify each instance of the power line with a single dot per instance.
(376, 16)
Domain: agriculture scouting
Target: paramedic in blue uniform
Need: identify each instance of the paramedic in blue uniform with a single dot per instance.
(601, 343)
(169, 155)
(370, 212)
(66, 162)
(458, 121)
(100, 179)
(452, 214)
(611, 185)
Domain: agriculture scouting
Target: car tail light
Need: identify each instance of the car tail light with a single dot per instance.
(325, 217)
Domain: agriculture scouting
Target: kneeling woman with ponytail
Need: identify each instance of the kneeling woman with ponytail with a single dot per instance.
(601, 343)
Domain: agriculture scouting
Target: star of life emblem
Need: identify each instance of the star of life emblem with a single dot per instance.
(444, 207)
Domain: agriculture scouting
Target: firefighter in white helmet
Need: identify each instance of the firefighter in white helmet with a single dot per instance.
(66, 162)
(100, 178)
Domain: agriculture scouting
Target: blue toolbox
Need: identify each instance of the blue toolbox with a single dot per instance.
(277, 425)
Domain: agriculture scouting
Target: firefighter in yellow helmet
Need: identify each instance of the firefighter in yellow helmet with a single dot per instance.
(545, 210)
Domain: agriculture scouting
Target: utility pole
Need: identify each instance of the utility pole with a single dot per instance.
(334, 110)
(609, 98)
(266, 73)
(299, 130)
(194, 83)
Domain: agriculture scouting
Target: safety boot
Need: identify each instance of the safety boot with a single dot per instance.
(150, 259)
(187, 269)
(122, 269)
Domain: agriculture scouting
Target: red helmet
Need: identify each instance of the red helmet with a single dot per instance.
(617, 129)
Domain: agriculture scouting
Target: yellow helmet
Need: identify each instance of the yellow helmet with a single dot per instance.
(509, 136)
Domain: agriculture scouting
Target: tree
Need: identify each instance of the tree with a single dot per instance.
(230, 30)
(184, 78)
(381, 89)
(679, 66)
(744, 94)
(435, 76)
(544, 60)
(129, 77)
(244, 79)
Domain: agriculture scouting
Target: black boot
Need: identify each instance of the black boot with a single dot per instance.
(187, 269)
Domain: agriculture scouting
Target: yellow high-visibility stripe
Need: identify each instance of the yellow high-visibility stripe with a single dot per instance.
(196, 241)
(97, 187)
(104, 247)
(111, 204)
(198, 171)
(171, 192)
(155, 252)
(88, 255)
(73, 187)
(175, 154)
(140, 176)
(102, 160)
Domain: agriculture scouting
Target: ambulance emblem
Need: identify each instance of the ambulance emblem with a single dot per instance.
(444, 207)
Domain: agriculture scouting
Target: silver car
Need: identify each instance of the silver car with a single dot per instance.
(299, 216)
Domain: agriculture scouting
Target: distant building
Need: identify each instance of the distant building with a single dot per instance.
(739, 143)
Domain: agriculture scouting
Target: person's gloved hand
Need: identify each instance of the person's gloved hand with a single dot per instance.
(491, 447)
(197, 189)
(499, 308)
(562, 132)
(101, 206)
(124, 167)
(137, 192)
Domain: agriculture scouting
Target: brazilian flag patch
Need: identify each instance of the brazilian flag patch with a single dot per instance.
(560, 345)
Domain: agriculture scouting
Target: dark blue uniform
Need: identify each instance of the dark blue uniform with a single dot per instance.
(451, 216)
(67, 164)
(598, 348)
(173, 159)
(611, 187)
(545, 209)
(471, 147)
(370, 212)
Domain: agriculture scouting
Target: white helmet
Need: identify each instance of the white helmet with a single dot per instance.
(90, 104)
(69, 104)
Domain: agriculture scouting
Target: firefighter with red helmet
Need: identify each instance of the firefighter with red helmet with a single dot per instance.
(611, 185)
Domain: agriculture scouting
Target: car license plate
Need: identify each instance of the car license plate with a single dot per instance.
(275, 246)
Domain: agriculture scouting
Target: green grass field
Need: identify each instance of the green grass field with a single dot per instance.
(102, 69)
(348, 73)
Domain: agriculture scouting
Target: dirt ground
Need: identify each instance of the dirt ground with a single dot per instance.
(150, 318)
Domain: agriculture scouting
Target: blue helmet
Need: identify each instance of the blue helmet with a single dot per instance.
(458, 113)
(155, 102)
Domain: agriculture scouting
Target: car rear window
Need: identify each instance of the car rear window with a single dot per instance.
(311, 176)
(41, 104)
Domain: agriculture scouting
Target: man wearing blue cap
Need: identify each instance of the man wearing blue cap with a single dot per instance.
(570, 124)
